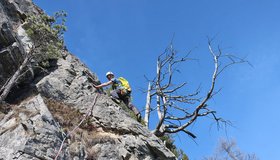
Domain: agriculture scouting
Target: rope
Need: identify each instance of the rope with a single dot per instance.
(88, 113)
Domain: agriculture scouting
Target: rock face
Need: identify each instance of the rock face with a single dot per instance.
(12, 15)
(29, 132)
(34, 125)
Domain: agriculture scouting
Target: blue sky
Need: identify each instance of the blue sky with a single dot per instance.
(126, 36)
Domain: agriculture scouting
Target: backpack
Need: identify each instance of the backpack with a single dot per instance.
(124, 83)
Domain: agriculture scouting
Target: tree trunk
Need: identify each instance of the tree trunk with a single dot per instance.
(148, 106)
(13, 80)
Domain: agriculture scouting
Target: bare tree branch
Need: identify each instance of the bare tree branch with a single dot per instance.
(176, 112)
(174, 89)
(227, 149)
(13, 80)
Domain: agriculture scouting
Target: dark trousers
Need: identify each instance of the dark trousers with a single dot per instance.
(125, 97)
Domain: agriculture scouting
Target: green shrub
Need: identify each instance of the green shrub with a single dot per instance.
(46, 32)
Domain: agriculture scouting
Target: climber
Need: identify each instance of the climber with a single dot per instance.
(120, 91)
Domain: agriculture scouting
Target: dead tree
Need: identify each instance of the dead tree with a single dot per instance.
(25, 64)
(47, 43)
(14, 79)
(176, 112)
(148, 106)
(229, 150)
